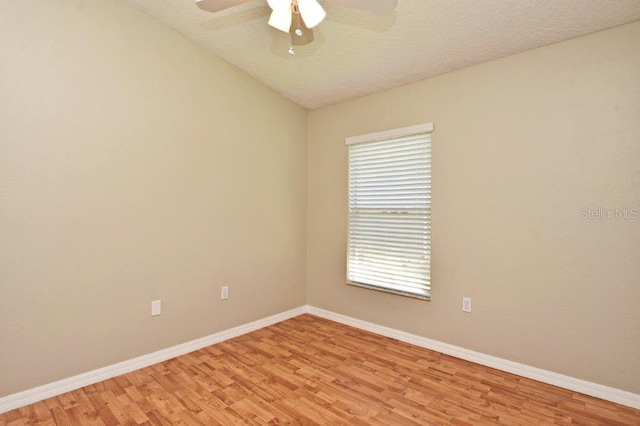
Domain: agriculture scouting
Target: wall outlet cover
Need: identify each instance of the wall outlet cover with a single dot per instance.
(466, 304)
(156, 308)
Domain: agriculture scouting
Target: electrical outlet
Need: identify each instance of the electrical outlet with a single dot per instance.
(466, 304)
(224, 292)
(156, 308)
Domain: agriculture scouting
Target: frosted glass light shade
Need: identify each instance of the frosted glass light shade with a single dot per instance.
(311, 11)
(281, 19)
(279, 4)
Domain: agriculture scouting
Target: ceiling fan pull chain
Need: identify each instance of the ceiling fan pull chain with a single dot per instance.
(298, 30)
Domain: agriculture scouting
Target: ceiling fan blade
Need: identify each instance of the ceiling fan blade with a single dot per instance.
(380, 7)
(218, 5)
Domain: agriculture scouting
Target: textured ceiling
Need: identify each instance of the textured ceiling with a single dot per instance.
(356, 53)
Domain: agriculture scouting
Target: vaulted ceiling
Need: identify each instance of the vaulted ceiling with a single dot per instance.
(356, 53)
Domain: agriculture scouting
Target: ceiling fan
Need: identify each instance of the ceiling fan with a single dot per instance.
(298, 17)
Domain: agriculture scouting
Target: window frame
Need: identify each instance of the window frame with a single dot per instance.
(379, 137)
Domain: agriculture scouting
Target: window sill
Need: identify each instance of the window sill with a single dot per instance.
(421, 296)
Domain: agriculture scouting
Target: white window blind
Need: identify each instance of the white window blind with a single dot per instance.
(390, 211)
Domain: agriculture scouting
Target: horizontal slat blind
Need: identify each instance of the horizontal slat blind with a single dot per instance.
(390, 214)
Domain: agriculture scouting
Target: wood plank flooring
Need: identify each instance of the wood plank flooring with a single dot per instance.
(308, 370)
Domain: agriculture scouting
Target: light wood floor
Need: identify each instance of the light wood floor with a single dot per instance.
(309, 370)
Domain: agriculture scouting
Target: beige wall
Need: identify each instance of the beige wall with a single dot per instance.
(521, 145)
(134, 165)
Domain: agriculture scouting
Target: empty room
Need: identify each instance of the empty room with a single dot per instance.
(384, 212)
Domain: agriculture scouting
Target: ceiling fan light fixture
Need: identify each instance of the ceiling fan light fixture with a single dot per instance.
(311, 11)
(299, 33)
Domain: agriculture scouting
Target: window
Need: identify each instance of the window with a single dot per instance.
(390, 211)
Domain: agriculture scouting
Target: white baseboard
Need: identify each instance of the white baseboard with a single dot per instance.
(566, 382)
(30, 396)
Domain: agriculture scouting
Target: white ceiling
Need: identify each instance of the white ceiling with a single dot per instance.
(356, 53)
